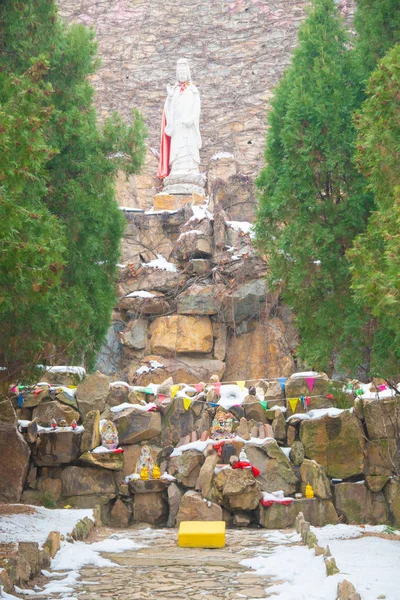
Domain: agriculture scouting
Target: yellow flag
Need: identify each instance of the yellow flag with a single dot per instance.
(241, 385)
(186, 403)
(293, 403)
(174, 390)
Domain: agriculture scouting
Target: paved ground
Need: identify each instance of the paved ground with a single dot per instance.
(163, 571)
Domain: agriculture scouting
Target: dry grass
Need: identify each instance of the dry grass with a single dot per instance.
(16, 509)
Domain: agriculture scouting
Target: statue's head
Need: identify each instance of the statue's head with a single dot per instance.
(182, 70)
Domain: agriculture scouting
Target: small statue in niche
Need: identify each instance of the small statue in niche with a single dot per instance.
(109, 436)
(222, 425)
(145, 460)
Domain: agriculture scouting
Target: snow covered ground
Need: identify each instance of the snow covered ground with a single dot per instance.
(36, 526)
(371, 564)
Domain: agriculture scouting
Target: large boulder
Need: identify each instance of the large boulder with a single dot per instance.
(149, 279)
(276, 471)
(312, 473)
(359, 505)
(144, 303)
(193, 507)
(382, 418)
(278, 516)
(237, 489)
(52, 409)
(187, 369)
(392, 494)
(253, 409)
(174, 500)
(382, 458)
(194, 244)
(297, 386)
(121, 514)
(84, 481)
(280, 361)
(7, 412)
(14, 463)
(91, 434)
(181, 334)
(206, 475)
(92, 393)
(200, 300)
(150, 508)
(135, 335)
(136, 425)
(104, 460)
(336, 443)
(246, 300)
(57, 448)
(186, 467)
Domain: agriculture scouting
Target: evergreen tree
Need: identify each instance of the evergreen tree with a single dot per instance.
(377, 23)
(376, 253)
(313, 200)
(69, 172)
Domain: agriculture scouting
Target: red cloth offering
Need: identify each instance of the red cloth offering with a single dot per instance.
(163, 166)
(244, 464)
(268, 503)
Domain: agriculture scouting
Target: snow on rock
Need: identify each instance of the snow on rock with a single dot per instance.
(154, 364)
(140, 294)
(130, 209)
(319, 412)
(161, 263)
(144, 407)
(240, 226)
(231, 395)
(80, 371)
(305, 374)
(219, 155)
(120, 384)
(167, 477)
(35, 527)
(199, 213)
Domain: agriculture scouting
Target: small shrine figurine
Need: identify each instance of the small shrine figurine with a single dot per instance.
(74, 424)
(63, 423)
(221, 428)
(144, 474)
(53, 424)
(156, 473)
(109, 436)
(145, 460)
(243, 455)
(309, 491)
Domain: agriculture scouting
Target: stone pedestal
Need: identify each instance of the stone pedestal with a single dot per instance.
(180, 182)
(166, 201)
(150, 504)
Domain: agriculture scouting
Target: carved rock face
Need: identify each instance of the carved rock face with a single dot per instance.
(14, 463)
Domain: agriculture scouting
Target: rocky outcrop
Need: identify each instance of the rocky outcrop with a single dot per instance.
(186, 467)
(52, 409)
(276, 471)
(278, 516)
(182, 334)
(237, 489)
(57, 448)
(136, 425)
(92, 393)
(312, 473)
(336, 443)
(14, 463)
(194, 507)
(357, 504)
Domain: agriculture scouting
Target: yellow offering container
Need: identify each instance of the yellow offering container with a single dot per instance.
(201, 534)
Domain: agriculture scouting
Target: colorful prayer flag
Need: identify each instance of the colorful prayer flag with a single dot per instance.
(310, 383)
(161, 397)
(293, 403)
(217, 387)
(174, 390)
(264, 404)
(198, 387)
(241, 385)
(186, 403)
(282, 381)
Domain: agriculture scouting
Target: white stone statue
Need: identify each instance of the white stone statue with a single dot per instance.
(180, 136)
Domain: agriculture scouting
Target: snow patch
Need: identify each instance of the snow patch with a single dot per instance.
(161, 263)
(143, 407)
(219, 155)
(319, 412)
(140, 294)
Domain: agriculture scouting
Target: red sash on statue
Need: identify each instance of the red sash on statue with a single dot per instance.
(163, 165)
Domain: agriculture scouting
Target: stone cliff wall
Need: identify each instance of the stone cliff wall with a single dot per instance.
(237, 51)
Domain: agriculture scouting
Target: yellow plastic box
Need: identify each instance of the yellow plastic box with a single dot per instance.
(201, 534)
